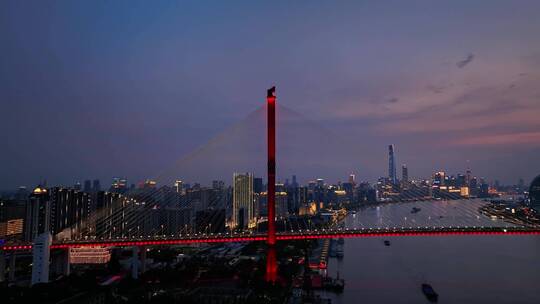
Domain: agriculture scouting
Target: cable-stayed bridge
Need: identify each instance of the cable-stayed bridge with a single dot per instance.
(165, 216)
(433, 218)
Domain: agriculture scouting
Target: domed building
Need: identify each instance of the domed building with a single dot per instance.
(38, 214)
(534, 193)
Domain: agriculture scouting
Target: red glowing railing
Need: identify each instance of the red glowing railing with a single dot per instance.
(288, 237)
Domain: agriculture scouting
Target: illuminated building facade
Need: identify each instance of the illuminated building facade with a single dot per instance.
(69, 209)
(11, 228)
(243, 211)
(179, 186)
(89, 255)
(119, 184)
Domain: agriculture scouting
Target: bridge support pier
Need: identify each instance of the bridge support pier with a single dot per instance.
(271, 264)
(135, 263)
(60, 263)
(2, 266)
(41, 253)
(143, 259)
(138, 261)
(12, 265)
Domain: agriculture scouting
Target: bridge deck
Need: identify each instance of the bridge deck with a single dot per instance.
(426, 218)
(300, 235)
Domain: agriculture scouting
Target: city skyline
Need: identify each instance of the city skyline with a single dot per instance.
(394, 158)
(131, 183)
(150, 84)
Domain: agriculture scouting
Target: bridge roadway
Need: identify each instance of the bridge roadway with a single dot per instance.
(284, 236)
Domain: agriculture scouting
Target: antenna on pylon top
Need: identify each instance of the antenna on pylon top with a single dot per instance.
(271, 92)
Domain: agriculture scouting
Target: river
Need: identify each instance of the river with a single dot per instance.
(461, 269)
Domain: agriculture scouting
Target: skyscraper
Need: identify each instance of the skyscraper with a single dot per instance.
(392, 175)
(87, 186)
(439, 179)
(243, 213)
(521, 185)
(38, 213)
(404, 173)
(257, 184)
(218, 184)
(352, 179)
(294, 182)
(178, 186)
(96, 186)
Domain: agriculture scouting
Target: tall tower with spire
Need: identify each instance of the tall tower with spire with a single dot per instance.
(392, 174)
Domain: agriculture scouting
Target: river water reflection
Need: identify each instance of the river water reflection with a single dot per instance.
(462, 269)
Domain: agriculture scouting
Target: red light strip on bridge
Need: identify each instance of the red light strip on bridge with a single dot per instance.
(280, 237)
(400, 234)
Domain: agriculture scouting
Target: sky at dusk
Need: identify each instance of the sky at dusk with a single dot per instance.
(175, 89)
